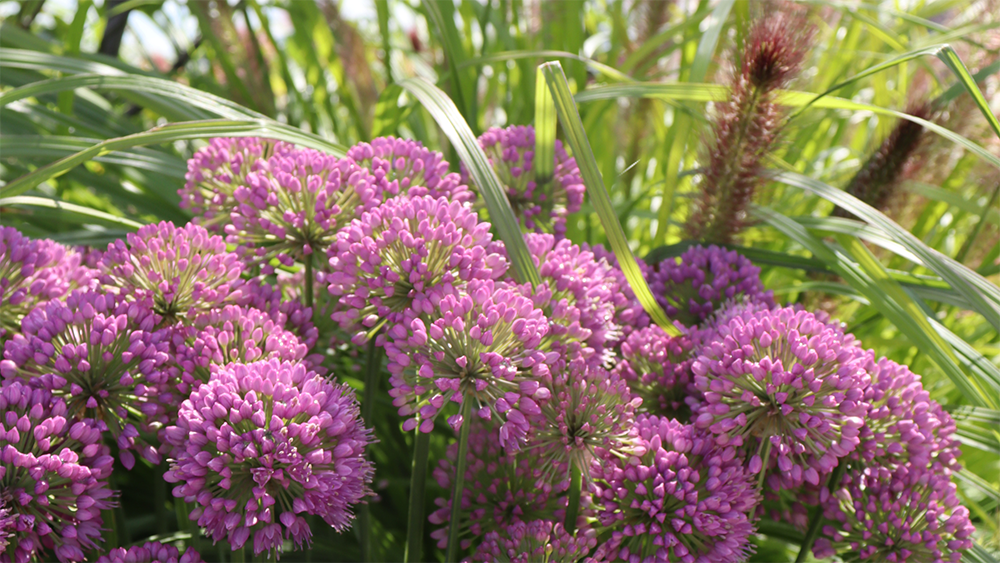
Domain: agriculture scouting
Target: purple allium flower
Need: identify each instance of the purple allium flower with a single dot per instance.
(681, 497)
(501, 488)
(100, 354)
(404, 256)
(294, 206)
(481, 346)
(705, 279)
(185, 270)
(540, 208)
(788, 388)
(215, 171)
(7, 522)
(281, 301)
(657, 368)
(233, 334)
(590, 409)
(903, 424)
(402, 166)
(150, 552)
(538, 540)
(260, 444)
(903, 514)
(629, 313)
(53, 477)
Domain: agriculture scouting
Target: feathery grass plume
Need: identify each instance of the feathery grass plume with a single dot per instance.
(877, 180)
(747, 126)
(102, 355)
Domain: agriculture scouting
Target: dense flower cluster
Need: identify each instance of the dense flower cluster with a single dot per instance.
(401, 166)
(150, 552)
(102, 355)
(539, 206)
(53, 477)
(260, 444)
(184, 270)
(657, 368)
(681, 497)
(535, 541)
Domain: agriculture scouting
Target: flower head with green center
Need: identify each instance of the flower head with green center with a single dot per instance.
(906, 514)
(184, 270)
(405, 167)
(405, 256)
(787, 387)
(103, 356)
(216, 171)
(479, 346)
(260, 444)
(681, 497)
(294, 206)
(657, 368)
(53, 478)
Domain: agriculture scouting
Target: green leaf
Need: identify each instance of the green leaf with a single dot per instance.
(709, 41)
(169, 133)
(63, 211)
(604, 69)
(576, 137)
(545, 131)
(442, 15)
(388, 113)
(54, 146)
(450, 120)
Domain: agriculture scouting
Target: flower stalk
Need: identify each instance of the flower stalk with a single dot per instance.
(573, 506)
(816, 518)
(451, 554)
(418, 479)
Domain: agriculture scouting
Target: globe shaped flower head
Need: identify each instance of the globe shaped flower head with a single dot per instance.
(705, 279)
(788, 388)
(53, 478)
(535, 541)
(590, 411)
(32, 272)
(405, 255)
(101, 355)
(215, 171)
(501, 488)
(903, 514)
(150, 552)
(904, 425)
(482, 347)
(294, 206)
(680, 497)
(402, 166)
(233, 334)
(261, 445)
(282, 302)
(184, 270)
(539, 207)
(657, 368)
(629, 313)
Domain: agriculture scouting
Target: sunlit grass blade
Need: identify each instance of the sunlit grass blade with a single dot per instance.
(545, 131)
(169, 133)
(450, 120)
(64, 211)
(576, 137)
(602, 68)
(441, 14)
(55, 146)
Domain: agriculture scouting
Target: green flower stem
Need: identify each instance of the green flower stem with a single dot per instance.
(451, 555)
(239, 556)
(817, 516)
(418, 479)
(373, 365)
(308, 281)
(573, 506)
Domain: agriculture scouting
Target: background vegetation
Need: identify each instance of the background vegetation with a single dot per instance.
(102, 104)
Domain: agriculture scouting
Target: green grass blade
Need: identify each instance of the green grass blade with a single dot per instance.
(169, 133)
(54, 146)
(709, 41)
(576, 137)
(441, 14)
(602, 68)
(545, 131)
(64, 211)
(447, 116)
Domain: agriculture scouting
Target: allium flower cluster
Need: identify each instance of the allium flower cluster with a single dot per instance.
(53, 477)
(232, 334)
(657, 368)
(150, 552)
(788, 388)
(538, 541)
(401, 166)
(103, 356)
(293, 206)
(538, 207)
(704, 280)
(682, 497)
(215, 171)
(590, 411)
(261, 444)
(903, 514)
(501, 488)
(282, 303)
(406, 255)
(903, 424)
(7, 522)
(185, 270)
(629, 314)
(482, 347)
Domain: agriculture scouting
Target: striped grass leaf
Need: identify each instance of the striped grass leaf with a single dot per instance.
(607, 71)
(545, 131)
(48, 208)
